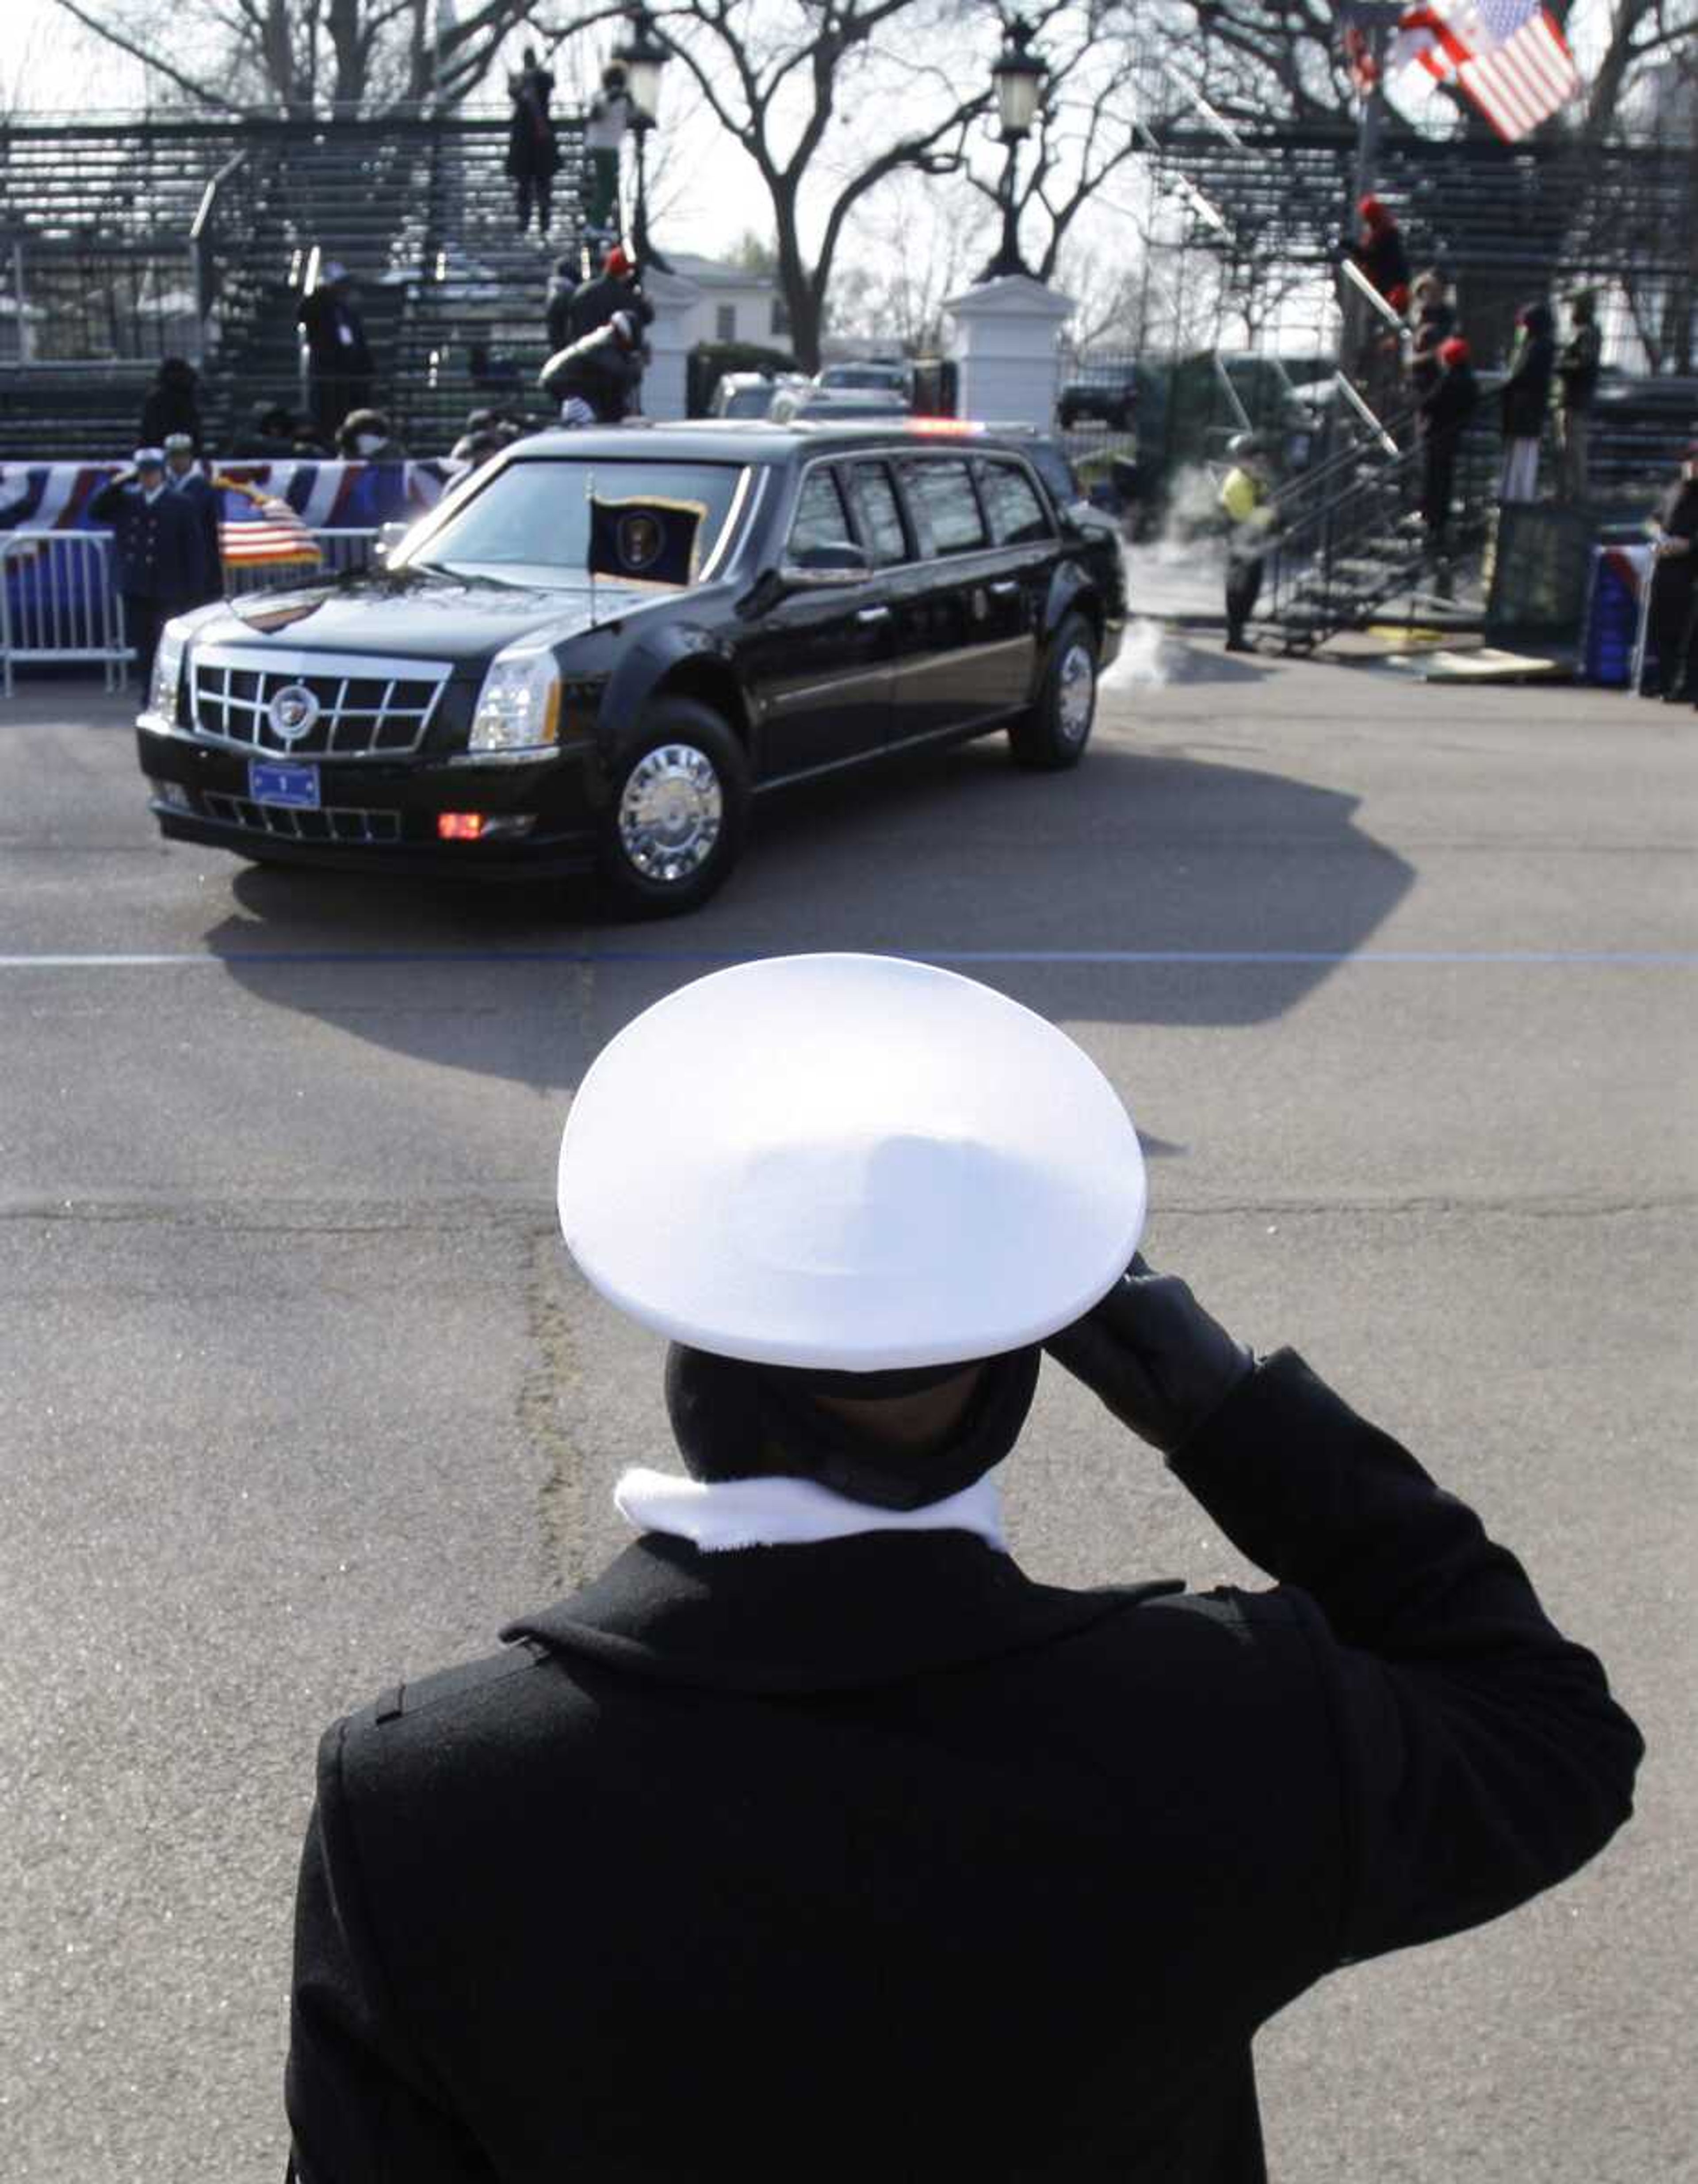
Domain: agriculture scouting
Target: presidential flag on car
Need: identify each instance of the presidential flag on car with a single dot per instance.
(256, 529)
(1508, 56)
(645, 541)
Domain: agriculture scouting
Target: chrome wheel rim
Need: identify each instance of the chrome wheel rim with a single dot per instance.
(1076, 690)
(671, 813)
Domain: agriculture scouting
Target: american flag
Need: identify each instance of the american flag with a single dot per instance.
(256, 528)
(1508, 56)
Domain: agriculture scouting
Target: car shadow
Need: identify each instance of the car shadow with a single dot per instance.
(1140, 887)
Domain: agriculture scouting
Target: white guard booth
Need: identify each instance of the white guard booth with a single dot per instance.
(1005, 337)
(664, 382)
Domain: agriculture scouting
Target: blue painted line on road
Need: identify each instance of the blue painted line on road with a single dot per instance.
(1108, 958)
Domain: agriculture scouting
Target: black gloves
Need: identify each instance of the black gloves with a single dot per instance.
(1154, 1356)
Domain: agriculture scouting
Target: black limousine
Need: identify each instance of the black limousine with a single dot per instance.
(601, 646)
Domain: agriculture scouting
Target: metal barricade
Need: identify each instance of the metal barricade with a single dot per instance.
(346, 553)
(57, 604)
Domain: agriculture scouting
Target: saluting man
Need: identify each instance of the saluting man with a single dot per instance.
(813, 1839)
(159, 551)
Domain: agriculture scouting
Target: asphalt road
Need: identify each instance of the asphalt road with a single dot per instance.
(299, 1394)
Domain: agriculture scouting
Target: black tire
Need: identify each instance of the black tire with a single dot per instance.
(676, 812)
(1053, 734)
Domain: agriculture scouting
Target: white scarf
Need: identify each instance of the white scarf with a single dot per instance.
(721, 1513)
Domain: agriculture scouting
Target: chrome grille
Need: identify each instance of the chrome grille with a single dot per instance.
(338, 823)
(366, 708)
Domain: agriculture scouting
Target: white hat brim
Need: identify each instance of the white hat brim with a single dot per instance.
(851, 1162)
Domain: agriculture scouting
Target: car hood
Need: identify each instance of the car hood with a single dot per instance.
(465, 623)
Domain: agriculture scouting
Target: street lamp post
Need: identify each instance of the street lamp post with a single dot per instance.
(1018, 75)
(643, 56)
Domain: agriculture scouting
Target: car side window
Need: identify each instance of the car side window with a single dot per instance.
(946, 508)
(820, 518)
(880, 513)
(1017, 516)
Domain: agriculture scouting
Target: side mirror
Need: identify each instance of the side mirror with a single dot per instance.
(824, 568)
(389, 537)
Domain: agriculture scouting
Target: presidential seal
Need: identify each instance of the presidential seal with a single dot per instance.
(640, 541)
(292, 712)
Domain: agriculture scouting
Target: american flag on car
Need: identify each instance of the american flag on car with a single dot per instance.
(256, 528)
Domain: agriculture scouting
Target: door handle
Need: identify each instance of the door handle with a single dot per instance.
(872, 614)
(1007, 585)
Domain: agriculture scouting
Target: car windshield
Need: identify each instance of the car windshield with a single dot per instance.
(861, 375)
(747, 402)
(531, 524)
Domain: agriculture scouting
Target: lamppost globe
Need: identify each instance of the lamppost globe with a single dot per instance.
(1018, 76)
(643, 56)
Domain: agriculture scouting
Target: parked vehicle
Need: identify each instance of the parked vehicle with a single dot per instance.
(889, 373)
(830, 404)
(1106, 392)
(488, 706)
(743, 394)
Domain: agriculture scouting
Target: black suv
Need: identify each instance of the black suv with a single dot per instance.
(1107, 391)
(488, 705)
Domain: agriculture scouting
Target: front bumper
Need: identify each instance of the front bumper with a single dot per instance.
(377, 815)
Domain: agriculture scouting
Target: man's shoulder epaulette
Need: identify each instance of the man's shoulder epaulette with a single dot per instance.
(463, 1680)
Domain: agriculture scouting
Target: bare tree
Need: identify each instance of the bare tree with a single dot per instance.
(307, 58)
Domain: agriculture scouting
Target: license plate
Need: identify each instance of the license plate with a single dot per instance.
(296, 786)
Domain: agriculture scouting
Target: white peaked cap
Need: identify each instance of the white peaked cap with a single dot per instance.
(849, 1162)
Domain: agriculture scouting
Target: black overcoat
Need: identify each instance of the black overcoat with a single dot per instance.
(874, 1859)
(158, 547)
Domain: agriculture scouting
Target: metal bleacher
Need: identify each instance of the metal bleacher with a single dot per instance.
(124, 241)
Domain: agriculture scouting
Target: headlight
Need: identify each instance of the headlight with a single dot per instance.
(168, 670)
(519, 706)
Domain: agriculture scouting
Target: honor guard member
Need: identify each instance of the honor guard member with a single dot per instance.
(185, 478)
(813, 1838)
(159, 551)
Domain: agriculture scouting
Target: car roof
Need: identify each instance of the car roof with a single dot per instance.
(758, 439)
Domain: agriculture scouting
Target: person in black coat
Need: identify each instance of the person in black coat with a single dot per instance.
(811, 1837)
(533, 151)
(1432, 322)
(1442, 415)
(185, 478)
(1379, 251)
(158, 552)
(563, 286)
(1579, 364)
(340, 371)
(614, 288)
(1524, 399)
(595, 380)
(172, 404)
(1670, 670)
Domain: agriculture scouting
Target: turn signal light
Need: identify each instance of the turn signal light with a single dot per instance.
(459, 826)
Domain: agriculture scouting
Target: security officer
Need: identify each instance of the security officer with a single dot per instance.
(812, 1839)
(1245, 500)
(185, 478)
(158, 547)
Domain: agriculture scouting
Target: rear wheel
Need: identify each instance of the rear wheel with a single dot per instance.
(1055, 733)
(676, 821)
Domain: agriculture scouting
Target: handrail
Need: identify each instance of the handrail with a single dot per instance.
(1232, 393)
(1368, 416)
(209, 195)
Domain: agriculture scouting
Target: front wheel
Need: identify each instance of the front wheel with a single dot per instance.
(675, 822)
(1055, 733)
